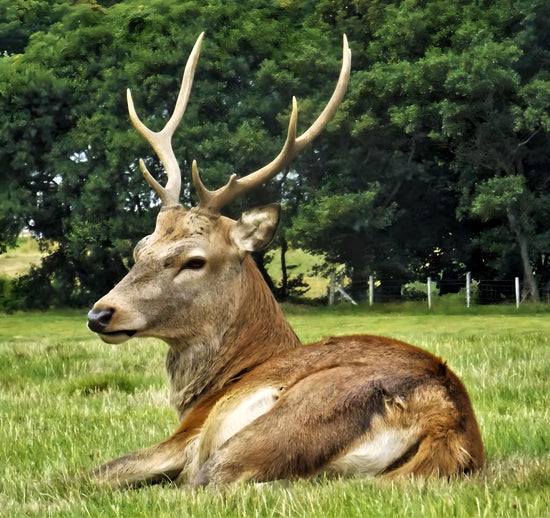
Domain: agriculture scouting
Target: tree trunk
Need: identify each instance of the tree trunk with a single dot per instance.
(259, 260)
(528, 276)
(284, 283)
(358, 287)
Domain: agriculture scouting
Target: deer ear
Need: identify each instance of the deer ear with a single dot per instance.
(256, 228)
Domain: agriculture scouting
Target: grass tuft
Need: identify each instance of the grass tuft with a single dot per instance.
(93, 384)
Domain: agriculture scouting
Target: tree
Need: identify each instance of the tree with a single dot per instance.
(374, 147)
(444, 97)
(70, 153)
(335, 223)
(449, 95)
(20, 19)
(501, 104)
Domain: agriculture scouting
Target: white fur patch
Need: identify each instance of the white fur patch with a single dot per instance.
(232, 416)
(373, 454)
(248, 410)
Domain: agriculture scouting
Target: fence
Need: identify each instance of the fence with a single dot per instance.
(391, 290)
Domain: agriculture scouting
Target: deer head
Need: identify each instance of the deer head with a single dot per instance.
(193, 275)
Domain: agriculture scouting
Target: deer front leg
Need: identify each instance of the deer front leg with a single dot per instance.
(162, 461)
(167, 460)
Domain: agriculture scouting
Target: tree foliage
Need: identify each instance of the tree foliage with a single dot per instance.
(436, 163)
(450, 95)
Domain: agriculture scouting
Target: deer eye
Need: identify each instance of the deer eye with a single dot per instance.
(195, 263)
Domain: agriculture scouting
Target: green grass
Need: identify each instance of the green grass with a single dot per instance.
(69, 402)
(300, 262)
(17, 261)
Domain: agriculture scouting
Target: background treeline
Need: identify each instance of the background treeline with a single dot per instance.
(437, 163)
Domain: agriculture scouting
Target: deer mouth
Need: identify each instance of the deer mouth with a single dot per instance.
(117, 337)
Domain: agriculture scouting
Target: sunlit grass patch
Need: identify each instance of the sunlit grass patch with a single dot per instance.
(18, 260)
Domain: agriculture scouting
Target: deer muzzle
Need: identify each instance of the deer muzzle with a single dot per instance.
(100, 321)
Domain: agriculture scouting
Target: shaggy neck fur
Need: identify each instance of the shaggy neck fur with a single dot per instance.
(258, 332)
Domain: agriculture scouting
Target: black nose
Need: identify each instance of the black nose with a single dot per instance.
(99, 320)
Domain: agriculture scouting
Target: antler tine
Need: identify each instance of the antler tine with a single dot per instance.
(161, 141)
(214, 201)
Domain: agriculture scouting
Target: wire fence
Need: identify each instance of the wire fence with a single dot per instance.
(472, 291)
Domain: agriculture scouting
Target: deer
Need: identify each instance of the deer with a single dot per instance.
(254, 404)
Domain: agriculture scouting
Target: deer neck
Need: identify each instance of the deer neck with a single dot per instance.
(258, 332)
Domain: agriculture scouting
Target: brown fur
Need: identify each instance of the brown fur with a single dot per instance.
(335, 392)
(330, 396)
(254, 404)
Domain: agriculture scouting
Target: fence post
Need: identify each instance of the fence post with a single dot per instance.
(468, 293)
(332, 288)
(517, 292)
(429, 293)
(371, 290)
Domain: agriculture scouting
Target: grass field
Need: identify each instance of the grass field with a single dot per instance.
(69, 402)
(16, 261)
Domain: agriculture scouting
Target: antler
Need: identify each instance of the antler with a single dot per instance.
(161, 141)
(214, 201)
